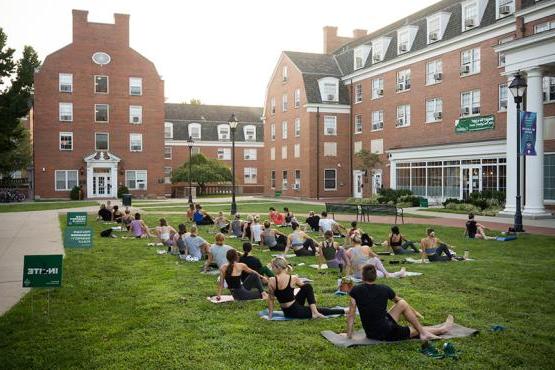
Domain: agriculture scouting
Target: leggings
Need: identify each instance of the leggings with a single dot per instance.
(281, 242)
(438, 257)
(245, 293)
(207, 220)
(308, 249)
(299, 311)
(404, 248)
(340, 260)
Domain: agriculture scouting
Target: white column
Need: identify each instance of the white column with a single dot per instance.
(114, 180)
(89, 181)
(392, 174)
(534, 164)
(510, 200)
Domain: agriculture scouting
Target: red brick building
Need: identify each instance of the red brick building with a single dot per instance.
(428, 93)
(98, 116)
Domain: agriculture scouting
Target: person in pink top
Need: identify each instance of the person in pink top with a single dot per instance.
(138, 227)
(275, 217)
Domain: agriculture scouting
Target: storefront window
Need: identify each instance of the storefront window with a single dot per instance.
(418, 177)
(451, 182)
(403, 178)
(434, 181)
(489, 177)
(549, 176)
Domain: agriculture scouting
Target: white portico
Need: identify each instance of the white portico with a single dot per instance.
(102, 172)
(533, 57)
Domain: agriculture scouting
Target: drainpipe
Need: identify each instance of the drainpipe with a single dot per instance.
(351, 124)
(317, 152)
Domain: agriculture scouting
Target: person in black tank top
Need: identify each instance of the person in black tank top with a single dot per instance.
(399, 244)
(293, 306)
(240, 290)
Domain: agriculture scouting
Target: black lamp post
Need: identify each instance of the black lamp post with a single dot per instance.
(233, 126)
(518, 87)
(190, 143)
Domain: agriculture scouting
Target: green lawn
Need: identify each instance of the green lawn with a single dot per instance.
(124, 306)
(42, 206)
(457, 211)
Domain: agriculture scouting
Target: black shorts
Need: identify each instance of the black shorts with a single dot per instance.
(392, 331)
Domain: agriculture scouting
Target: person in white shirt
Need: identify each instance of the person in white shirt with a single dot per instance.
(256, 230)
(326, 224)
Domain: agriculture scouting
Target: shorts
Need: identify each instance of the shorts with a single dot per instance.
(392, 331)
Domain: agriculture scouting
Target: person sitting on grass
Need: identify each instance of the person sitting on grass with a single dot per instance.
(288, 216)
(231, 273)
(302, 244)
(275, 217)
(247, 228)
(127, 218)
(109, 206)
(282, 287)
(236, 226)
(190, 212)
(165, 233)
(399, 244)
(195, 246)
(378, 323)
(355, 230)
(256, 230)
(217, 253)
(326, 224)
(434, 249)
(138, 227)
(104, 214)
(332, 254)
(117, 215)
(221, 223)
(312, 220)
(201, 217)
(179, 247)
(253, 262)
(273, 239)
(361, 255)
(475, 230)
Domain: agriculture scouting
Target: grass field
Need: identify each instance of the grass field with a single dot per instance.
(124, 306)
(42, 206)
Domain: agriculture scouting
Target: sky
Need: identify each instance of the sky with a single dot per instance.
(218, 51)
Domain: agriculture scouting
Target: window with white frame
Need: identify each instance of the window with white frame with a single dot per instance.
(297, 98)
(168, 152)
(500, 55)
(195, 150)
(330, 125)
(470, 102)
(101, 112)
(250, 132)
(101, 84)
(378, 51)
(297, 150)
(434, 110)
(377, 88)
(168, 130)
(168, 171)
(195, 131)
(403, 80)
(135, 86)
(65, 82)
(249, 154)
(102, 141)
(358, 55)
(377, 120)
(284, 130)
(284, 182)
(470, 15)
(297, 127)
(402, 41)
(273, 179)
(330, 179)
(358, 93)
(136, 114)
(284, 74)
(224, 154)
(297, 179)
(273, 105)
(330, 149)
(272, 154)
(65, 111)
(284, 152)
(284, 103)
(434, 72)
(470, 61)
(543, 27)
(376, 146)
(505, 8)
(224, 132)
(136, 179)
(65, 179)
(549, 89)
(330, 90)
(357, 146)
(66, 141)
(434, 30)
(273, 131)
(503, 97)
(358, 123)
(250, 175)
(403, 115)
(136, 142)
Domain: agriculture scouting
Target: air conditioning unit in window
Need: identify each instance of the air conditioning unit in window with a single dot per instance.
(433, 36)
(476, 110)
(250, 137)
(296, 186)
(380, 92)
(331, 97)
(224, 137)
(403, 48)
(469, 23)
(65, 88)
(438, 76)
(247, 156)
(135, 119)
(400, 87)
(377, 58)
(437, 115)
(503, 104)
(465, 111)
(284, 79)
(330, 131)
(505, 9)
(465, 69)
(400, 121)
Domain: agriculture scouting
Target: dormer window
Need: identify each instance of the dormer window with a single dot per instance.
(284, 76)
(436, 25)
(405, 38)
(433, 30)
(504, 8)
(472, 12)
(194, 131)
(223, 132)
(379, 48)
(168, 130)
(360, 54)
(250, 132)
(329, 89)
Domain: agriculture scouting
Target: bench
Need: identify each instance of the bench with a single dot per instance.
(333, 208)
(382, 209)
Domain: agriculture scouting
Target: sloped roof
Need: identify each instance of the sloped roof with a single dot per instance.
(219, 113)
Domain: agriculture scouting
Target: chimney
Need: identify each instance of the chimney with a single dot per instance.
(122, 27)
(358, 33)
(330, 39)
(79, 23)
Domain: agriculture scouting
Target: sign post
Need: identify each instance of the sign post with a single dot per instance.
(76, 218)
(78, 237)
(42, 271)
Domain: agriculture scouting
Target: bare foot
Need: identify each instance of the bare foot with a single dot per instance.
(448, 325)
(317, 315)
(425, 335)
(402, 272)
(264, 295)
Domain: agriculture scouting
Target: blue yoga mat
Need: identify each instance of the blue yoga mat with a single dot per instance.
(278, 315)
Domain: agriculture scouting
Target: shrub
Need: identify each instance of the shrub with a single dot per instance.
(122, 189)
(391, 196)
(74, 193)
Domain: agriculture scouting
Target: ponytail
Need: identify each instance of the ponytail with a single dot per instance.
(247, 248)
(231, 256)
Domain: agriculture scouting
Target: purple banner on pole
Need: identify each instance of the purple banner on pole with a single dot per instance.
(528, 133)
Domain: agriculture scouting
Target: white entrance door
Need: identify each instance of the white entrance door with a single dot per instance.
(357, 184)
(101, 183)
(471, 180)
(376, 181)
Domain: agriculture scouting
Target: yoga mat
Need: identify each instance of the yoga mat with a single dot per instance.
(284, 255)
(324, 266)
(278, 315)
(359, 337)
(223, 299)
(506, 238)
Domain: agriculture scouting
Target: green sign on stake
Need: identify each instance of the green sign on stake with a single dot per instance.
(76, 218)
(78, 237)
(42, 271)
(472, 124)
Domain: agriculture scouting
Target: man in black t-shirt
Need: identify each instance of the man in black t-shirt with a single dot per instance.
(104, 214)
(378, 323)
(313, 221)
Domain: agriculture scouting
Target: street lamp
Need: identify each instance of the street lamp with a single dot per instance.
(190, 143)
(518, 87)
(233, 126)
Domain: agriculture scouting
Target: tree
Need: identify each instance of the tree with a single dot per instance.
(15, 103)
(366, 161)
(203, 171)
(195, 101)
